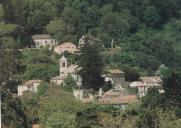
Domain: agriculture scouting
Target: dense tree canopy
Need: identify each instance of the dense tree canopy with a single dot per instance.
(91, 64)
(148, 28)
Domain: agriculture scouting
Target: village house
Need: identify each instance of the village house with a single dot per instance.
(66, 47)
(117, 97)
(66, 69)
(148, 82)
(42, 40)
(30, 85)
(84, 95)
(92, 40)
(117, 77)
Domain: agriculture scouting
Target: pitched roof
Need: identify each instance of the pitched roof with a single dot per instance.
(30, 82)
(58, 78)
(154, 79)
(41, 36)
(115, 71)
(63, 58)
(118, 100)
(67, 44)
(116, 92)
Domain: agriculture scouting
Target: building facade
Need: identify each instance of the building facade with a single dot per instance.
(30, 85)
(118, 77)
(42, 40)
(66, 69)
(66, 47)
(149, 82)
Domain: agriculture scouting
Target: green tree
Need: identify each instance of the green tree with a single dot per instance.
(42, 88)
(87, 118)
(69, 84)
(58, 108)
(172, 87)
(41, 71)
(151, 17)
(91, 64)
(11, 110)
(30, 106)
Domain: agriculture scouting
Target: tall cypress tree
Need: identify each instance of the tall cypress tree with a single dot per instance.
(91, 63)
(172, 87)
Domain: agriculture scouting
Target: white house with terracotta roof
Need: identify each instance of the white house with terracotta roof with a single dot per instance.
(66, 47)
(67, 69)
(42, 40)
(30, 85)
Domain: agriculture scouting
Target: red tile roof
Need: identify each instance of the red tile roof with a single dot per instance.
(118, 100)
(117, 96)
(116, 92)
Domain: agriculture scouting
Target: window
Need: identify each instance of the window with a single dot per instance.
(63, 65)
(45, 41)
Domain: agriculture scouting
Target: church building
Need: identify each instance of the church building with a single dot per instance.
(66, 69)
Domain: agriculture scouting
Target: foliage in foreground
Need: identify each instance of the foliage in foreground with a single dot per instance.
(58, 108)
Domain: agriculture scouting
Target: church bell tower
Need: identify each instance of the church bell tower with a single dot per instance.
(63, 65)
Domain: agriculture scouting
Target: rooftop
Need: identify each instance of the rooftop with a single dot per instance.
(35, 126)
(115, 71)
(63, 58)
(67, 44)
(30, 82)
(41, 36)
(118, 100)
(154, 79)
(116, 92)
(58, 78)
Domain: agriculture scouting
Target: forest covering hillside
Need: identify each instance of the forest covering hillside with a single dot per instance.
(145, 33)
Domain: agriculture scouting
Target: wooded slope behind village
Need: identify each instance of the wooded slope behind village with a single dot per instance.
(130, 40)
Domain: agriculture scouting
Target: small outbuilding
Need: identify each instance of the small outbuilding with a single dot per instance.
(30, 85)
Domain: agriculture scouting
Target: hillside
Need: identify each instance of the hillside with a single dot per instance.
(138, 38)
(147, 31)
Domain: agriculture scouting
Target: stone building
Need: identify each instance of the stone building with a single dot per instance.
(66, 69)
(66, 47)
(42, 40)
(118, 77)
(30, 85)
